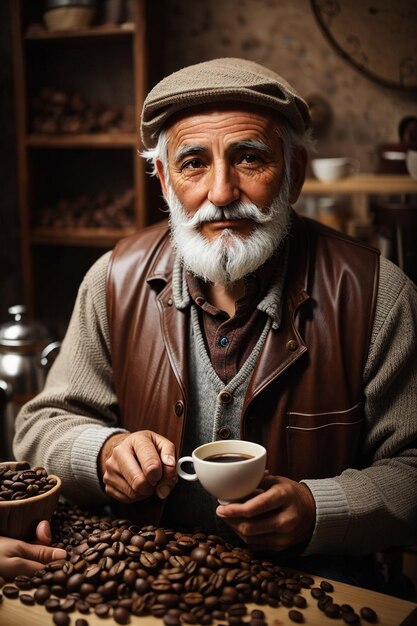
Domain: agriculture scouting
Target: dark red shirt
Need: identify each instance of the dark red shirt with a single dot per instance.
(230, 340)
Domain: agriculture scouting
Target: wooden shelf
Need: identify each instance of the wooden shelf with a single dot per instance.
(104, 64)
(88, 140)
(42, 34)
(368, 184)
(96, 237)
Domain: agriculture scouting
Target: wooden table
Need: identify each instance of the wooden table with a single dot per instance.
(391, 611)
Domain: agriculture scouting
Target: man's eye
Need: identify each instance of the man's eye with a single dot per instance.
(250, 158)
(192, 164)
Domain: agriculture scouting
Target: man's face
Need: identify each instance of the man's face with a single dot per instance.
(221, 157)
(227, 191)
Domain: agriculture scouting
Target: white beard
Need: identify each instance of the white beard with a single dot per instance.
(229, 257)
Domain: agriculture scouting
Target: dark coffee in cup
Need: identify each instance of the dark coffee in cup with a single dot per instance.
(219, 468)
(228, 457)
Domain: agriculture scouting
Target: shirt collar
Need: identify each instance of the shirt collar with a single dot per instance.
(268, 281)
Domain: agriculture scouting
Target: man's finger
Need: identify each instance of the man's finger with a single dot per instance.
(258, 505)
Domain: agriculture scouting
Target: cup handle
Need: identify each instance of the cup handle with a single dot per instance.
(181, 472)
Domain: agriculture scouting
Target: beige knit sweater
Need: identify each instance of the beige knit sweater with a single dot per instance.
(360, 511)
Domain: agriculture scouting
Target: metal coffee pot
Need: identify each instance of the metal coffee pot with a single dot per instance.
(26, 352)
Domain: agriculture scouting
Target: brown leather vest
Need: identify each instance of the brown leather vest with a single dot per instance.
(304, 401)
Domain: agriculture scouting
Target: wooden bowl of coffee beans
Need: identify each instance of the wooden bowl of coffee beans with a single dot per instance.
(28, 495)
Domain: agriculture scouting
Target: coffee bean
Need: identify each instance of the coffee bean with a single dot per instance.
(81, 622)
(82, 606)
(26, 598)
(102, 610)
(52, 605)
(300, 602)
(23, 582)
(368, 614)
(237, 610)
(324, 601)
(121, 615)
(11, 591)
(68, 605)
(171, 620)
(296, 616)
(326, 586)
(317, 592)
(94, 599)
(332, 610)
(61, 619)
(74, 582)
(189, 618)
(350, 617)
(41, 595)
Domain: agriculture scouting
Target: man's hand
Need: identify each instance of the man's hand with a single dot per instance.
(281, 514)
(20, 558)
(134, 466)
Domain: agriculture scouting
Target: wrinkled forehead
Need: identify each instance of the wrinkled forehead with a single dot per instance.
(224, 127)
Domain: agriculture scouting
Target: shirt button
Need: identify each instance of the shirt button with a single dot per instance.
(292, 345)
(223, 342)
(225, 397)
(224, 432)
(179, 408)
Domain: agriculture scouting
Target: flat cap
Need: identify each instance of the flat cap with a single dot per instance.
(220, 80)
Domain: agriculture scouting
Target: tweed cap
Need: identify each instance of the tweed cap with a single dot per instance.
(220, 80)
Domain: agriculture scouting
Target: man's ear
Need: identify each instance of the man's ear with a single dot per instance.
(298, 172)
(161, 176)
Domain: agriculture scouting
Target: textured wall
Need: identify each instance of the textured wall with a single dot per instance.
(284, 35)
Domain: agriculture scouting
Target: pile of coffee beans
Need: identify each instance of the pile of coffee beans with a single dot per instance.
(20, 481)
(117, 569)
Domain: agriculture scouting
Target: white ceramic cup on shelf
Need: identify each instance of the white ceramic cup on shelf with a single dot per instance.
(329, 170)
(230, 469)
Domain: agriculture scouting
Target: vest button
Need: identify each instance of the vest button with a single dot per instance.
(170, 302)
(292, 345)
(224, 432)
(179, 408)
(225, 397)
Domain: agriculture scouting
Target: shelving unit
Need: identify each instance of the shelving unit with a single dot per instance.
(105, 64)
(355, 194)
(361, 187)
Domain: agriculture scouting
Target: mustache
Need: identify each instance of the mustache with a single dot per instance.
(234, 211)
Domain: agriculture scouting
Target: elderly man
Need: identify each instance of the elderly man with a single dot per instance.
(239, 319)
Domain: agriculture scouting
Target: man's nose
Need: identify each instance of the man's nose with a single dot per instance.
(223, 185)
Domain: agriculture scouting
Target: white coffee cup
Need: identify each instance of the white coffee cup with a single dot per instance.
(217, 469)
(328, 170)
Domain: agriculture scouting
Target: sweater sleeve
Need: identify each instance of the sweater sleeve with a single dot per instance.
(369, 509)
(64, 427)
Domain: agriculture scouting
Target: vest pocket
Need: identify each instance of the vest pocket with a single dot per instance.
(322, 445)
